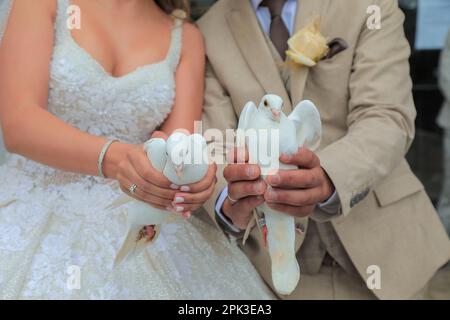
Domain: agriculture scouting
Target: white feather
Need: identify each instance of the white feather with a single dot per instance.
(307, 121)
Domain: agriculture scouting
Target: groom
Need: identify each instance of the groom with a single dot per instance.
(371, 230)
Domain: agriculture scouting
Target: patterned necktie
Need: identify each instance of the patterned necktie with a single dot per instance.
(279, 33)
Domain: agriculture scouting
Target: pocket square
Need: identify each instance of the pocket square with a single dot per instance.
(336, 46)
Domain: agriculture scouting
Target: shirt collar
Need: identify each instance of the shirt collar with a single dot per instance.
(257, 3)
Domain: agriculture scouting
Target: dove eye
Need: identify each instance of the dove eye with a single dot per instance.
(266, 104)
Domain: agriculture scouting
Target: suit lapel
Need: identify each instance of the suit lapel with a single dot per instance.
(251, 40)
(306, 9)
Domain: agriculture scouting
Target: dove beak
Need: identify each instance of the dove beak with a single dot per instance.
(276, 115)
(179, 170)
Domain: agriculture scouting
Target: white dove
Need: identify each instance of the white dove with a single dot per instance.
(183, 160)
(301, 128)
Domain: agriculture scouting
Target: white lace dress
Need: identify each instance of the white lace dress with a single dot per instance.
(54, 225)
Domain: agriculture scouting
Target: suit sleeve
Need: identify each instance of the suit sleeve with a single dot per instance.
(218, 116)
(381, 111)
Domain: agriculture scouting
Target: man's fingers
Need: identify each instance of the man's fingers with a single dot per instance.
(299, 212)
(248, 205)
(241, 212)
(238, 155)
(241, 172)
(301, 178)
(243, 189)
(303, 158)
(296, 197)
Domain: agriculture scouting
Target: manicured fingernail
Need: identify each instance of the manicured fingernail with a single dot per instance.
(251, 171)
(272, 195)
(178, 209)
(275, 180)
(174, 187)
(185, 189)
(179, 200)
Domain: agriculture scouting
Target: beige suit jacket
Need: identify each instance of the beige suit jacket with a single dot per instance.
(365, 101)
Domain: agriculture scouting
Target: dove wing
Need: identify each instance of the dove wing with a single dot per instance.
(307, 122)
(156, 153)
(198, 155)
(245, 118)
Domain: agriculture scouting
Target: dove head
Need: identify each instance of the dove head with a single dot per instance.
(178, 151)
(272, 105)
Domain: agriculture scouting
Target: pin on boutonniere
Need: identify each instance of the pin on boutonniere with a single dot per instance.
(308, 45)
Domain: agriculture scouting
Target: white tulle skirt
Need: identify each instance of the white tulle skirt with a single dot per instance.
(57, 241)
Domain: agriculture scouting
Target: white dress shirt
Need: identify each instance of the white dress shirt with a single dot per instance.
(288, 15)
(332, 205)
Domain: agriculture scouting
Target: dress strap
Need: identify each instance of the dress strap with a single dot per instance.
(5, 9)
(61, 28)
(176, 44)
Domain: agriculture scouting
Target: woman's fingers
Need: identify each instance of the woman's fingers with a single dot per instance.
(129, 172)
(193, 198)
(141, 195)
(144, 168)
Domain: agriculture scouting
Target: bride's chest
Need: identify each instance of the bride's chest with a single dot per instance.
(83, 94)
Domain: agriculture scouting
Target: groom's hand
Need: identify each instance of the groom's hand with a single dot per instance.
(297, 192)
(245, 191)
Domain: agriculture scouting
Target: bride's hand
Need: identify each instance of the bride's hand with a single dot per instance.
(152, 186)
(191, 197)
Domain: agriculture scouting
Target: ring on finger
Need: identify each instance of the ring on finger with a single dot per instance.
(233, 201)
(133, 188)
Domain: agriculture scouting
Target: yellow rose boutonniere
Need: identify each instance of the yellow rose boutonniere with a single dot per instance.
(308, 45)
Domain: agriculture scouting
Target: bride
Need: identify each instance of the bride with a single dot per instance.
(66, 98)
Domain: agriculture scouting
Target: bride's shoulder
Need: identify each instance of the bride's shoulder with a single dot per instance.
(192, 39)
(29, 9)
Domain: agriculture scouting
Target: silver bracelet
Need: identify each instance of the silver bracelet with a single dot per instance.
(101, 157)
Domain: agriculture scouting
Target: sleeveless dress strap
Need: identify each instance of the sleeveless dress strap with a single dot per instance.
(176, 44)
(61, 28)
(5, 9)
